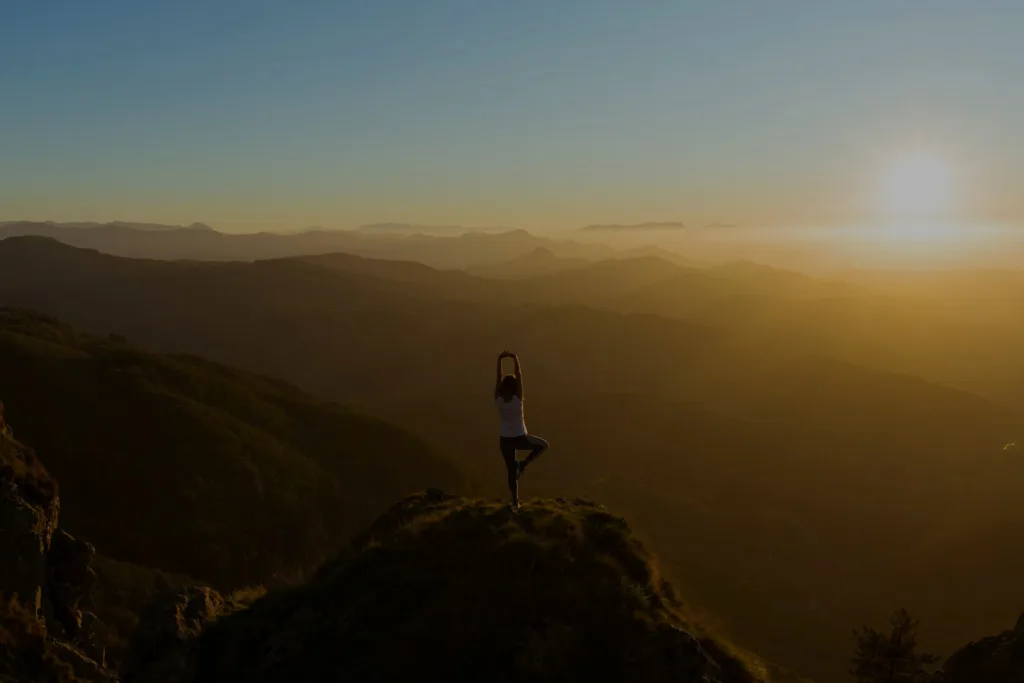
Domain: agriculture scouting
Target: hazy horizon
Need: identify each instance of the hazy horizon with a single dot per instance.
(833, 251)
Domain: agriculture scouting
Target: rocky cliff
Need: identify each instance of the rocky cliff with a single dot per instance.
(45, 577)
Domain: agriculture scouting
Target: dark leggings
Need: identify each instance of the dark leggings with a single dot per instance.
(509, 446)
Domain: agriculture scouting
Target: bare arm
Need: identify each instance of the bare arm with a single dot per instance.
(497, 381)
(519, 375)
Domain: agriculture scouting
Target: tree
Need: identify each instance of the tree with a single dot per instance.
(891, 658)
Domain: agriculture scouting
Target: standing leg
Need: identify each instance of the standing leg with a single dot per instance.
(508, 454)
(538, 446)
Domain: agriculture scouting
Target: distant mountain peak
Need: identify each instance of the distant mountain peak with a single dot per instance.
(416, 229)
(654, 225)
(120, 225)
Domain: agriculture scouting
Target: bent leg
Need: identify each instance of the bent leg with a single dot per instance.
(508, 454)
(538, 446)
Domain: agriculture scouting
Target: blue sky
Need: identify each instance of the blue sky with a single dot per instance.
(258, 114)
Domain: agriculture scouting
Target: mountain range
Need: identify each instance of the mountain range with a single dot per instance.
(388, 241)
(413, 229)
(636, 227)
(861, 477)
(17, 226)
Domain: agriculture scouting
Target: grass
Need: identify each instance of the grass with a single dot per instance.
(245, 597)
(470, 590)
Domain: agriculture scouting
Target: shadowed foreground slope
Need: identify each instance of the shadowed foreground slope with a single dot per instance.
(444, 588)
(196, 468)
(995, 659)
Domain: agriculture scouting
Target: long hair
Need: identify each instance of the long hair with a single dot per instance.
(509, 387)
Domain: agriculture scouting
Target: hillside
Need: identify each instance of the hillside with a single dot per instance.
(993, 659)
(548, 592)
(540, 261)
(445, 588)
(343, 332)
(798, 532)
(684, 427)
(558, 590)
(884, 325)
(193, 467)
(925, 327)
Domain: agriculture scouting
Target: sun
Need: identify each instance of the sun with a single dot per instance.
(917, 187)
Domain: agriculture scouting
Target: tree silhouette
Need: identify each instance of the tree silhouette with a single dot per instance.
(891, 658)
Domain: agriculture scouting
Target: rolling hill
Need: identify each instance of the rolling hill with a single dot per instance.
(243, 476)
(784, 486)
(540, 261)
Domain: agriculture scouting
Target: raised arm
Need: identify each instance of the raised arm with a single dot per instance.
(497, 381)
(519, 375)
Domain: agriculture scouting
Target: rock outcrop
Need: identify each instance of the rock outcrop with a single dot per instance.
(996, 659)
(69, 582)
(444, 588)
(45, 577)
(164, 648)
(29, 508)
(26, 530)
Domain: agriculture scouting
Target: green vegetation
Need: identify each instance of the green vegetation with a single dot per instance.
(196, 468)
(892, 657)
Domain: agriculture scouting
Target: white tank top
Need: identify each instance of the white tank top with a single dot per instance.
(511, 414)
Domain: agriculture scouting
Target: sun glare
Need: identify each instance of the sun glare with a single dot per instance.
(916, 188)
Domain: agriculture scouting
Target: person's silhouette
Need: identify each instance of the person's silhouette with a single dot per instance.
(508, 397)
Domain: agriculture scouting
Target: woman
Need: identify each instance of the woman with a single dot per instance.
(508, 396)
